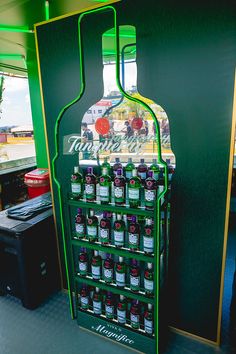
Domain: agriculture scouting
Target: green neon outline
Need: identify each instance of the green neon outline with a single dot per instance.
(160, 160)
(23, 29)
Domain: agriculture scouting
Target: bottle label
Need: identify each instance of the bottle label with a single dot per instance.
(108, 274)
(148, 326)
(79, 228)
(150, 195)
(97, 307)
(133, 239)
(76, 188)
(104, 235)
(119, 192)
(134, 193)
(120, 279)
(83, 267)
(90, 190)
(96, 272)
(134, 281)
(92, 231)
(84, 302)
(119, 238)
(148, 244)
(156, 176)
(104, 192)
(142, 175)
(121, 316)
(109, 310)
(128, 174)
(134, 318)
(148, 284)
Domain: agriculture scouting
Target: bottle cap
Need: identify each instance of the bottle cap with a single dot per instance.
(149, 265)
(168, 161)
(134, 262)
(108, 255)
(149, 306)
(117, 159)
(104, 214)
(134, 172)
(149, 222)
(104, 171)
(133, 218)
(119, 217)
(142, 160)
(83, 249)
(150, 174)
(105, 159)
(96, 253)
(109, 293)
(79, 210)
(119, 172)
(90, 170)
(121, 259)
(76, 169)
(154, 161)
(91, 213)
(129, 159)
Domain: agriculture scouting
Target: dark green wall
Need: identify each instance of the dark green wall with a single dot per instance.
(186, 60)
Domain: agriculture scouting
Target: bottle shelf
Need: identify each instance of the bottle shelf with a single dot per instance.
(116, 323)
(124, 209)
(141, 296)
(123, 252)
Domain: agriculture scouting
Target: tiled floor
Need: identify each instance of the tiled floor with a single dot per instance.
(49, 329)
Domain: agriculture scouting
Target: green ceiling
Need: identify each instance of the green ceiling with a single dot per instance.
(23, 14)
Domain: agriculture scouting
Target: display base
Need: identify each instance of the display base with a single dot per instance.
(118, 334)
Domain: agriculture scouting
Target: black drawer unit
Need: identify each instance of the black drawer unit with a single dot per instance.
(29, 267)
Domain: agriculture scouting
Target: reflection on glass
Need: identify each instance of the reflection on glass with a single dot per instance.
(116, 126)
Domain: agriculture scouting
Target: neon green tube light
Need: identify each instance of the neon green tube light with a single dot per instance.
(46, 8)
(23, 29)
(12, 56)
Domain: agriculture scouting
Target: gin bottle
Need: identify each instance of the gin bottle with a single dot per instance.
(105, 230)
(149, 280)
(135, 315)
(105, 186)
(122, 310)
(119, 231)
(134, 234)
(129, 169)
(109, 306)
(148, 320)
(96, 266)
(120, 272)
(108, 269)
(106, 164)
(92, 227)
(83, 262)
(84, 298)
(134, 276)
(134, 190)
(156, 169)
(142, 170)
(90, 185)
(150, 191)
(76, 184)
(97, 302)
(80, 224)
(119, 188)
(148, 238)
(117, 166)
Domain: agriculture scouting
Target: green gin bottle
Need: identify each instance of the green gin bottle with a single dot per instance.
(120, 272)
(148, 320)
(105, 186)
(129, 169)
(149, 280)
(92, 226)
(119, 231)
(156, 169)
(134, 190)
(76, 184)
(106, 164)
(122, 310)
(96, 266)
(97, 302)
(148, 238)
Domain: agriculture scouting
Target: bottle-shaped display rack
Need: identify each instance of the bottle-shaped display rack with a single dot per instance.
(113, 211)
